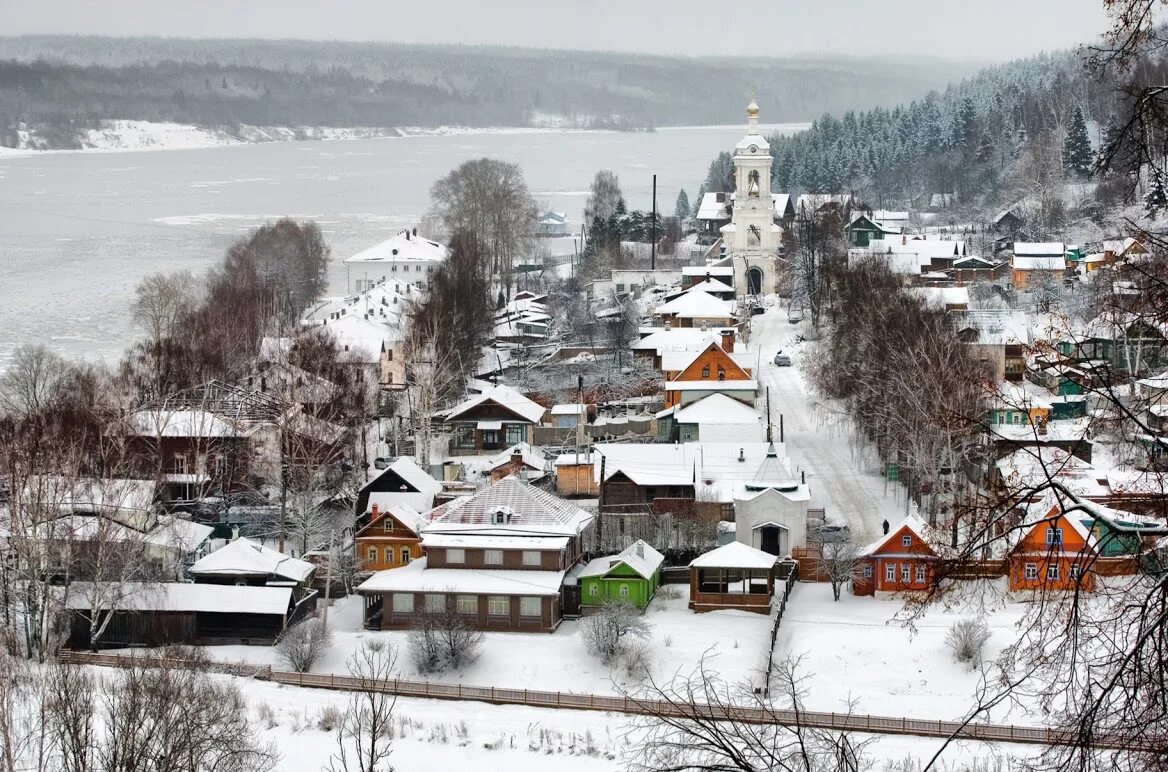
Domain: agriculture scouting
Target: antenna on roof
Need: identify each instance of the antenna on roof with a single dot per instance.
(770, 432)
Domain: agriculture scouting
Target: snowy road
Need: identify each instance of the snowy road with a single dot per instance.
(848, 486)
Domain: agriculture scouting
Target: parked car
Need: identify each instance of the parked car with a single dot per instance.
(828, 533)
(381, 463)
(782, 360)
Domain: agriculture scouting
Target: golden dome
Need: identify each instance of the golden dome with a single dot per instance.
(752, 109)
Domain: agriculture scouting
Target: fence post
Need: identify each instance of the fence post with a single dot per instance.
(460, 690)
(590, 701)
(493, 694)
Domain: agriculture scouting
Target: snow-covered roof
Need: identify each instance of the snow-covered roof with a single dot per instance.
(710, 208)
(1119, 246)
(677, 339)
(1043, 263)
(1040, 249)
(502, 395)
(719, 409)
(942, 296)
(723, 386)
(478, 541)
(1034, 466)
(912, 522)
(244, 557)
(697, 305)
(177, 596)
(728, 467)
(734, 555)
(127, 501)
(569, 408)
(527, 509)
(180, 534)
(712, 270)
(417, 477)
(531, 457)
(400, 248)
(993, 326)
(1039, 516)
(416, 577)
(711, 285)
(638, 556)
(182, 423)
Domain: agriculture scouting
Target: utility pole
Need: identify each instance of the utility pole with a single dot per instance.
(653, 239)
(328, 581)
(770, 432)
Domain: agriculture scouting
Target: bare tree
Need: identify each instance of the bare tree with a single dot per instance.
(606, 632)
(489, 200)
(443, 640)
(966, 638)
(604, 197)
(699, 722)
(365, 740)
(302, 644)
(837, 561)
(162, 302)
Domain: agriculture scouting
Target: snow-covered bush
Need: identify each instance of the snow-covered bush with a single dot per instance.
(300, 646)
(966, 638)
(606, 631)
(637, 658)
(329, 718)
(443, 641)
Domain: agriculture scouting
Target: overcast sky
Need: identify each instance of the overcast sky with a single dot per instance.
(984, 30)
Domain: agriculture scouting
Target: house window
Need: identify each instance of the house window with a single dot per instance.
(594, 589)
(403, 602)
(530, 606)
(516, 433)
(493, 557)
(906, 541)
(179, 463)
(468, 604)
(1052, 572)
(620, 288)
(405, 556)
(890, 572)
(500, 518)
(435, 603)
(721, 374)
(371, 554)
(920, 574)
(706, 371)
(906, 573)
(531, 558)
(868, 571)
(1030, 571)
(1054, 536)
(624, 591)
(499, 606)
(1074, 572)
(387, 524)
(455, 556)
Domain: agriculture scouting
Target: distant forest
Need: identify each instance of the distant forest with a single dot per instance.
(59, 85)
(1011, 131)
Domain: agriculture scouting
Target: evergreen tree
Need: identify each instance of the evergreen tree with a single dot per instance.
(1077, 156)
(1156, 199)
(682, 207)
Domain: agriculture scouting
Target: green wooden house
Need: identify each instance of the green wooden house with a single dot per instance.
(632, 576)
(863, 229)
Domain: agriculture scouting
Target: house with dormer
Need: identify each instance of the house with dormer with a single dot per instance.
(391, 538)
(497, 558)
(492, 420)
(904, 560)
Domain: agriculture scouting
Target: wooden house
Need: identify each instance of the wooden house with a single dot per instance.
(632, 576)
(1034, 262)
(198, 451)
(495, 419)
(390, 539)
(997, 337)
(698, 308)
(904, 560)
(1007, 222)
(575, 476)
(402, 482)
(1115, 250)
(692, 375)
(172, 613)
(1055, 552)
(521, 460)
(246, 562)
(733, 576)
(864, 228)
(498, 558)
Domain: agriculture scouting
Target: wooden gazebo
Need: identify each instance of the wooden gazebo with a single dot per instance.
(733, 576)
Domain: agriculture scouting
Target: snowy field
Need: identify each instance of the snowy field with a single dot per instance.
(733, 642)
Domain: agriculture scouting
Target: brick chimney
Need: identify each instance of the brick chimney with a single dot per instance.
(728, 340)
(373, 512)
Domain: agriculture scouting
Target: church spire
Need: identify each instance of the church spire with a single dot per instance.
(752, 115)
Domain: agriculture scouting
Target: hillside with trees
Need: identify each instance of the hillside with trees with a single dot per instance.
(58, 85)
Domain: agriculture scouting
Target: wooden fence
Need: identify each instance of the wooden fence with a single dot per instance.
(632, 705)
(788, 583)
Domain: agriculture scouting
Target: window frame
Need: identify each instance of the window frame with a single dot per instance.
(526, 600)
(1030, 572)
(890, 572)
(489, 554)
(434, 603)
(406, 557)
(906, 540)
(456, 556)
(493, 602)
(400, 608)
(906, 573)
(921, 574)
(1052, 572)
(461, 601)
(532, 563)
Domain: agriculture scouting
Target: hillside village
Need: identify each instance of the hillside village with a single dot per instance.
(653, 436)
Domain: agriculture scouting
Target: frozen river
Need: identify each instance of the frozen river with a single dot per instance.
(78, 230)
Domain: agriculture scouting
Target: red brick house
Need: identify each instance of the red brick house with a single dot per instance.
(904, 560)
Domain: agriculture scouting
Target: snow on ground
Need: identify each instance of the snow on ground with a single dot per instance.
(735, 643)
(476, 737)
(858, 649)
(847, 485)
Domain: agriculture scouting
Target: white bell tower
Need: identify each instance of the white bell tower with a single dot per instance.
(752, 238)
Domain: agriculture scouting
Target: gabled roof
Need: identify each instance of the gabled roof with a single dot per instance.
(528, 509)
(913, 523)
(638, 556)
(505, 397)
(710, 285)
(414, 475)
(676, 339)
(717, 409)
(734, 555)
(180, 596)
(1040, 249)
(403, 513)
(182, 423)
(695, 305)
(1049, 512)
(712, 270)
(244, 557)
(402, 247)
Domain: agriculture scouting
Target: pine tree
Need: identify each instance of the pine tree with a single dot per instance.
(682, 207)
(1077, 147)
(1156, 199)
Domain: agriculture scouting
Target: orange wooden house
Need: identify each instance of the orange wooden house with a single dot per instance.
(691, 375)
(1056, 552)
(904, 560)
(390, 539)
